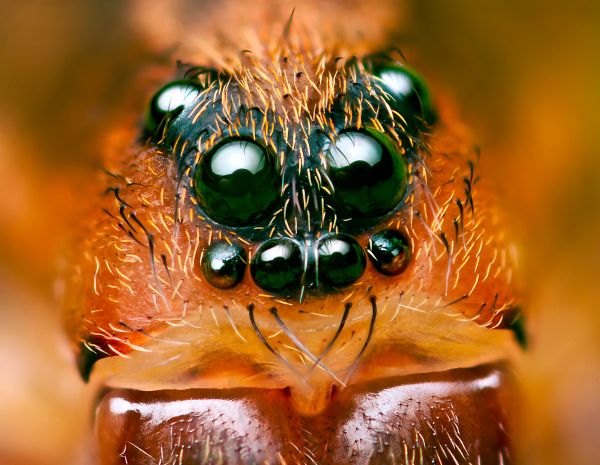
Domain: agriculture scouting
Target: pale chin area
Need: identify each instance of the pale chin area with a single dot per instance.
(204, 354)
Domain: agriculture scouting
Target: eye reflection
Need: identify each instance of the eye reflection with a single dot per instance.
(411, 95)
(355, 147)
(390, 251)
(170, 99)
(399, 84)
(237, 156)
(277, 266)
(224, 264)
(368, 173)
(236, 184)
(341, 260)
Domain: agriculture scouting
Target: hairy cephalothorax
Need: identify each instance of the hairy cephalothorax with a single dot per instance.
(296, 233)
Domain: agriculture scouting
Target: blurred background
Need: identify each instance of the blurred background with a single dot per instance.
(526, 75)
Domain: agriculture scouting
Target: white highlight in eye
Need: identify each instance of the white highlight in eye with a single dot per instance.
(237, 155)
(280, 250)
(176, 96)
(397, 83)
(352, 147)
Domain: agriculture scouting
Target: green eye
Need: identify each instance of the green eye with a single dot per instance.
(390, 252)
(170, 100)
(410, 92)
(367, 172)
(277, 266)
(236, 184)
(341, 260)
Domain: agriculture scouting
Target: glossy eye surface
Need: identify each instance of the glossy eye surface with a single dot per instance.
(410, 93)
(390, 252)
(341, 260)
(367, 172)
(224, 264)
(277, 266)
(170, 99)
(236, 184)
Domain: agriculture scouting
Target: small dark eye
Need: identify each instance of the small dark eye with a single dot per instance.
(277, 266)
(410, 93)
(367, 173)
(341, 260)
(390, 252)
(224, 264)
(170, 101)
(236, 184)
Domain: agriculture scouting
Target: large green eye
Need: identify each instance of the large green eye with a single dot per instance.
(367, 172)
(410, 93)
(236, 184)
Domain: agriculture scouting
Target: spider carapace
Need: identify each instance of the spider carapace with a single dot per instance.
(291, 259)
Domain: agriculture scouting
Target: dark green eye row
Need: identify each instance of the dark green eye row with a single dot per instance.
(278, 265)
(237, 184)
(411, 98)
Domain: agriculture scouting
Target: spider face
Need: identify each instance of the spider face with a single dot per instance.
(297, 242)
